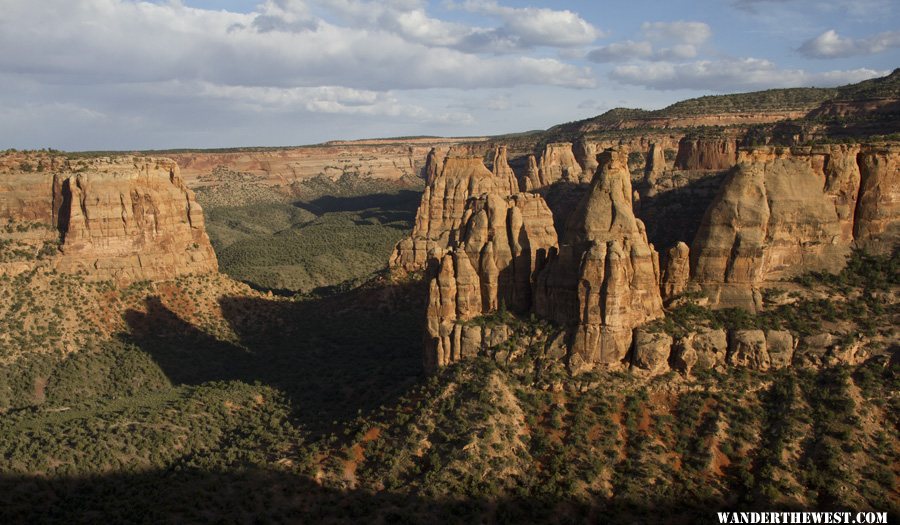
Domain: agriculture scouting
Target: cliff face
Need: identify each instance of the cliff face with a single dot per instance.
(440, 213)
(124, 218)
(557, 163)
(706, 154)
(876, 226)
(781, 213)
(755, 216)
(604, 280)
(503, 242)
(601, 283)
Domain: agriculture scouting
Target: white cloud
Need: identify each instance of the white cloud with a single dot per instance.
(731, 75)
(682, 32)
(119, 41)
(831, 45)
(661, 41)
(533, 26)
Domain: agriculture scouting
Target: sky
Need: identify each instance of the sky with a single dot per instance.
(127, 75)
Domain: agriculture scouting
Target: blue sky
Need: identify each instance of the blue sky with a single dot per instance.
(122, 74)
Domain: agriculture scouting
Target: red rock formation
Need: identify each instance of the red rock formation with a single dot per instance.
(132, 219)
(502, 244)
(441, 212)
(121, 218)
(783, 212)
(656, 161)
(706, 154)
(677, 271)
(771, 220)
(501, 170)
(877, 219)
(586, 155)
(557, 163)
(604, 281)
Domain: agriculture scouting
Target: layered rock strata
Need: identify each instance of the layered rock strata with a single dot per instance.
(706, 154)
(121, 218)
(876, 226)
(604, 280)
(440, 213)
(781, 213)
(503, 243)
(557, 163)
(677, 271)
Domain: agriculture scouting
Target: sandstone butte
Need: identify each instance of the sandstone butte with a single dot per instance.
(121, 218)
(777, 213)
(782, 212)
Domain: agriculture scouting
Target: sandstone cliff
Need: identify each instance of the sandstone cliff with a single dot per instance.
(503, 243)
(440, 213)
(121, 218)
(876, 225)
(706, 154)
(604, 279)
(557, 163)
(784, 212)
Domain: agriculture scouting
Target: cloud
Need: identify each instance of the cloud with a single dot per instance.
(533, 26)
(731, 75)
(662, 41)
(831, 45)
(284, 15)
(621, 51)
(109, 41)
(863, 9)
(693, 33)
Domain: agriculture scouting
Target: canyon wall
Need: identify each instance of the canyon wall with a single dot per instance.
(784, 212)
(604, 279)
(441, 211)
(121, 218)
(503, 243)
(777, 213)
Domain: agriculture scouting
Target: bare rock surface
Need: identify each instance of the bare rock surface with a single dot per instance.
(125, 218)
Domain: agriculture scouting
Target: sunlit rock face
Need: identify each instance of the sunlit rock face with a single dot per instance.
(120, 218)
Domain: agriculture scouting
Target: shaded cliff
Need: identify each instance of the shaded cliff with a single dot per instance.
(604, 280)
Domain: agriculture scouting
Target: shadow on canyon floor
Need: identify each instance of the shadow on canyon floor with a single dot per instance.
(335, 358)
(400, 205)
(254, 495)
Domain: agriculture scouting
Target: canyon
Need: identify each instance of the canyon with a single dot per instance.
(637, 315)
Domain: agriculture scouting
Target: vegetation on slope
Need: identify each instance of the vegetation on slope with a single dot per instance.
(315, 235)
(215, 402)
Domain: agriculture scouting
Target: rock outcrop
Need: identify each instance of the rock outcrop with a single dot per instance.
(677, 271)
(876, 225)
(503, 243)
(604, 280)
(440, 213)
(706, 154)
(703, 349)
(656, 161)
(120, 218)
(557, 163)
(771, 220)
(586, 155)
(651, 352)
(506, 178)
(784, 212)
